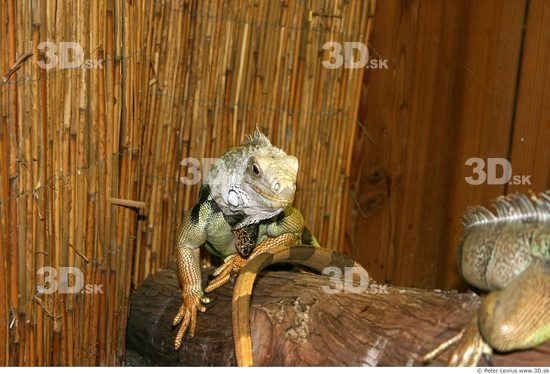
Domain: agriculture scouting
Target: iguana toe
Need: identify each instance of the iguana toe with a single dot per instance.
(188, 313)
(468, 347)
(232, 265)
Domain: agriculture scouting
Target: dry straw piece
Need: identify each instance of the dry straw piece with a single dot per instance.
(90, 156)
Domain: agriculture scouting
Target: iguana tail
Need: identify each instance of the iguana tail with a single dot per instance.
(308, 238)
(315, 258)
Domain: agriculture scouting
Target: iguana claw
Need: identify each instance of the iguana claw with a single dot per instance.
(232, 265)
(468, 344)
(188, 313)
(469, 348)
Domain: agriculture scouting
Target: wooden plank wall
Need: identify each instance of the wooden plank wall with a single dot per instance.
(466, 79)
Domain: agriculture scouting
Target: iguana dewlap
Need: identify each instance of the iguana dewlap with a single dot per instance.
(508, 255)
(244, 205)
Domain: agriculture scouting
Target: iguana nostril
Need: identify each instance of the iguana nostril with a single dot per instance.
(276, 187)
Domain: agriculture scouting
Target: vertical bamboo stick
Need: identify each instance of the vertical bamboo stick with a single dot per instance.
(175, 78)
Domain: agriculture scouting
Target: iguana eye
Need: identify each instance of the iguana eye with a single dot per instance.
(256, 169)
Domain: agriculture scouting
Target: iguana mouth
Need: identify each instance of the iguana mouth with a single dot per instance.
(271, 197)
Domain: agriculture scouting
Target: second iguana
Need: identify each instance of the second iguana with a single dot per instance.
(508, 255)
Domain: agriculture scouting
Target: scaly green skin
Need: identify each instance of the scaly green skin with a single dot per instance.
(244, 206)
(507, 254)
(206, 225)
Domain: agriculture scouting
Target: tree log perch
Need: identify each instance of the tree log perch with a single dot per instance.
(296, 323)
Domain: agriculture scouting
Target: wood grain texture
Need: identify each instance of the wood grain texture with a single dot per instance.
(189, 79)
(448, 96)
(162, 81)
(530, 146)
(296, 323)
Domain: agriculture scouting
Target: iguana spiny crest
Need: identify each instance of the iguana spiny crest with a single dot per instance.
(507, 254)
(497, 247)
(244, 209)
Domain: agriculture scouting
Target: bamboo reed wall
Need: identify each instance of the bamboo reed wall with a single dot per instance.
(177, 79)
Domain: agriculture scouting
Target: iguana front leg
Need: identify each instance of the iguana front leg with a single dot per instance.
(191, 236)
(234, 263)
(517, 317)
(286, 230)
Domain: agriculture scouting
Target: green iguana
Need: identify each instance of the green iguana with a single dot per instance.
(508, 255)
(244, 206)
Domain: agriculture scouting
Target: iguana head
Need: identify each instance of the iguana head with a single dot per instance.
(255, 180)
